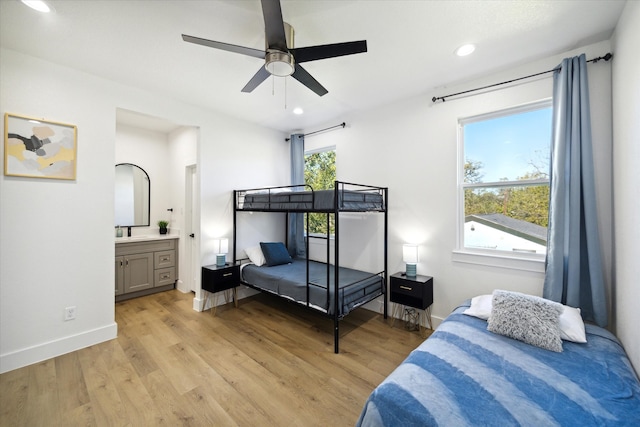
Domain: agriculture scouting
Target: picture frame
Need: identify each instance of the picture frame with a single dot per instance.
(38, 148)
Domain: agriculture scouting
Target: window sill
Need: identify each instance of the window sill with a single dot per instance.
(532, 264)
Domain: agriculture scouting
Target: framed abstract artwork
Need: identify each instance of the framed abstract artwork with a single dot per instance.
(38, 148)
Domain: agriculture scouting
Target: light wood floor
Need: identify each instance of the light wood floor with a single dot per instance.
(266, 363)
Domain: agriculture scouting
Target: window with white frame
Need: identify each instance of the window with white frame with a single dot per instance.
(320, 174)
(504, 180)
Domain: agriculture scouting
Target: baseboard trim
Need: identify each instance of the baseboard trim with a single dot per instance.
(38, 353)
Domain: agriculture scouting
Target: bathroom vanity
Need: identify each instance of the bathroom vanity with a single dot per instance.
(145, 265)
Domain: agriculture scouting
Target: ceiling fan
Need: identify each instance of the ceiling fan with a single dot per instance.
(280, 56)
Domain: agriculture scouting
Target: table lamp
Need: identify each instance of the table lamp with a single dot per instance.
(410, 257)
(222, 248)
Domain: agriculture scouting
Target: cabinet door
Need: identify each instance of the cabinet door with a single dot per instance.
(119, 275)
(138, 272)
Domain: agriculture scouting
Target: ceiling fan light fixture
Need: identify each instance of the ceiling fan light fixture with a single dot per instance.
(38, 5)
(279, 64)
(465, 49)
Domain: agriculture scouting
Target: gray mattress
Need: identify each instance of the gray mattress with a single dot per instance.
(321, 200)
(289, 280)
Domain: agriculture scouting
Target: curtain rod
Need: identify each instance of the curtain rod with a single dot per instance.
(342, 125)
(606, 57)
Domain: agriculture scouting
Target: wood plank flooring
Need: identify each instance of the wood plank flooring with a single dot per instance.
(266, 363)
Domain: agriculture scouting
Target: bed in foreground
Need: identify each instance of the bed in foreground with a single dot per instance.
(464, 375)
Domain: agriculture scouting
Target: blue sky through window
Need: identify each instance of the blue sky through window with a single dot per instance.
(507, 145)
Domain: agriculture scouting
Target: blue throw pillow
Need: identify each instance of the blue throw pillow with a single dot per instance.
(275, 253)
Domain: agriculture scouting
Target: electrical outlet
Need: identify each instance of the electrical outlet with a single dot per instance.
(70, 313)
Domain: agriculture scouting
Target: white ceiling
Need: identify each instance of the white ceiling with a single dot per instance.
(410, 47)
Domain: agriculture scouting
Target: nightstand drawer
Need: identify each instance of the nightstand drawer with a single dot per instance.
(216, 279)
(416, 292)
(411, 290)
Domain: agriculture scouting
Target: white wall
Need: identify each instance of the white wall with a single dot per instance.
(235, 159)
(411, 147)
(57, 244)
(626, 157)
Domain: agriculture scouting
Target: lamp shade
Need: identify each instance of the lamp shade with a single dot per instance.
(221, 246)
(410, 254)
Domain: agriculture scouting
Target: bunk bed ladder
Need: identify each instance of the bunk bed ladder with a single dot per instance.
(235, 213)
(336, 294)
(385, 207)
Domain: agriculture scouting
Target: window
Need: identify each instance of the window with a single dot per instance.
(504, 180)
(320, 174)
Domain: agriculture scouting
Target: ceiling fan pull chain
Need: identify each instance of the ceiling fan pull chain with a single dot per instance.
(285, 93)
(273, 85)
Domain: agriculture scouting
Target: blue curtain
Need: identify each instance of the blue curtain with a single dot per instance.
(296, 220)
(574, 273)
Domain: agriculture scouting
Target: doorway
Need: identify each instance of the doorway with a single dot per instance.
(192, 220)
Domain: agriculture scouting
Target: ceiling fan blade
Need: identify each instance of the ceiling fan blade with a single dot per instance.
(313, 53)
(225, 46)
(301, 75)
(255, 81)
(274, 25)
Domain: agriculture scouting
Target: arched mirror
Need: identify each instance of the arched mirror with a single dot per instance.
(132, 192)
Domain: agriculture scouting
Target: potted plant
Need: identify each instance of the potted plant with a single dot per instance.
(163, 226)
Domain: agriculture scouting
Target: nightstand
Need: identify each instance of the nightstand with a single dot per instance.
(415, 292)
(216, 279)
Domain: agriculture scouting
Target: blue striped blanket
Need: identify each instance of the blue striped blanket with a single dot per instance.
(464, 375)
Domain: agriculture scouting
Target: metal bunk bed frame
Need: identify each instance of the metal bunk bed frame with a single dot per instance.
(338, 207)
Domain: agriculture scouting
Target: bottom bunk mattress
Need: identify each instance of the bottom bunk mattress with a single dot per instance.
(464, 375)
(290, 281)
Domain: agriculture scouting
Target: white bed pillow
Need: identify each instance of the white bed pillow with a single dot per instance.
(480, 307)
(571, 323)
(255, 255)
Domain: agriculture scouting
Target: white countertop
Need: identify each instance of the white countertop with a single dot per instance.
(145, 238)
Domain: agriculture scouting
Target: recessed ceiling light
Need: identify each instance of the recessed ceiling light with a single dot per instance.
(465, 49)
(38, 5)
(298, 110)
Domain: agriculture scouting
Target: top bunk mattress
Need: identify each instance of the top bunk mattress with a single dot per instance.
(309, 201)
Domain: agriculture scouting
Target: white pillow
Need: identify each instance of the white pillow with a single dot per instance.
(255, 255)
(571, 323)
(480, 307)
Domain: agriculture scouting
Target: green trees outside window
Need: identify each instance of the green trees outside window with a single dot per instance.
(320, 174)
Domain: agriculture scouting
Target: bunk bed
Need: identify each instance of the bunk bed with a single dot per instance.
(325, 287)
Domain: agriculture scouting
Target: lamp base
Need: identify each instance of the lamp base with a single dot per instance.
(411, 270)
(221, 260)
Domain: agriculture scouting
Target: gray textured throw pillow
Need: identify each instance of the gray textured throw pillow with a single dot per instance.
(526, 318)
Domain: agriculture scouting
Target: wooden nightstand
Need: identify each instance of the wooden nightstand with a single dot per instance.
(216, 279)
(415, 292)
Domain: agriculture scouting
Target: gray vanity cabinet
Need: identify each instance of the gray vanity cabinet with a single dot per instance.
(144, 267)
